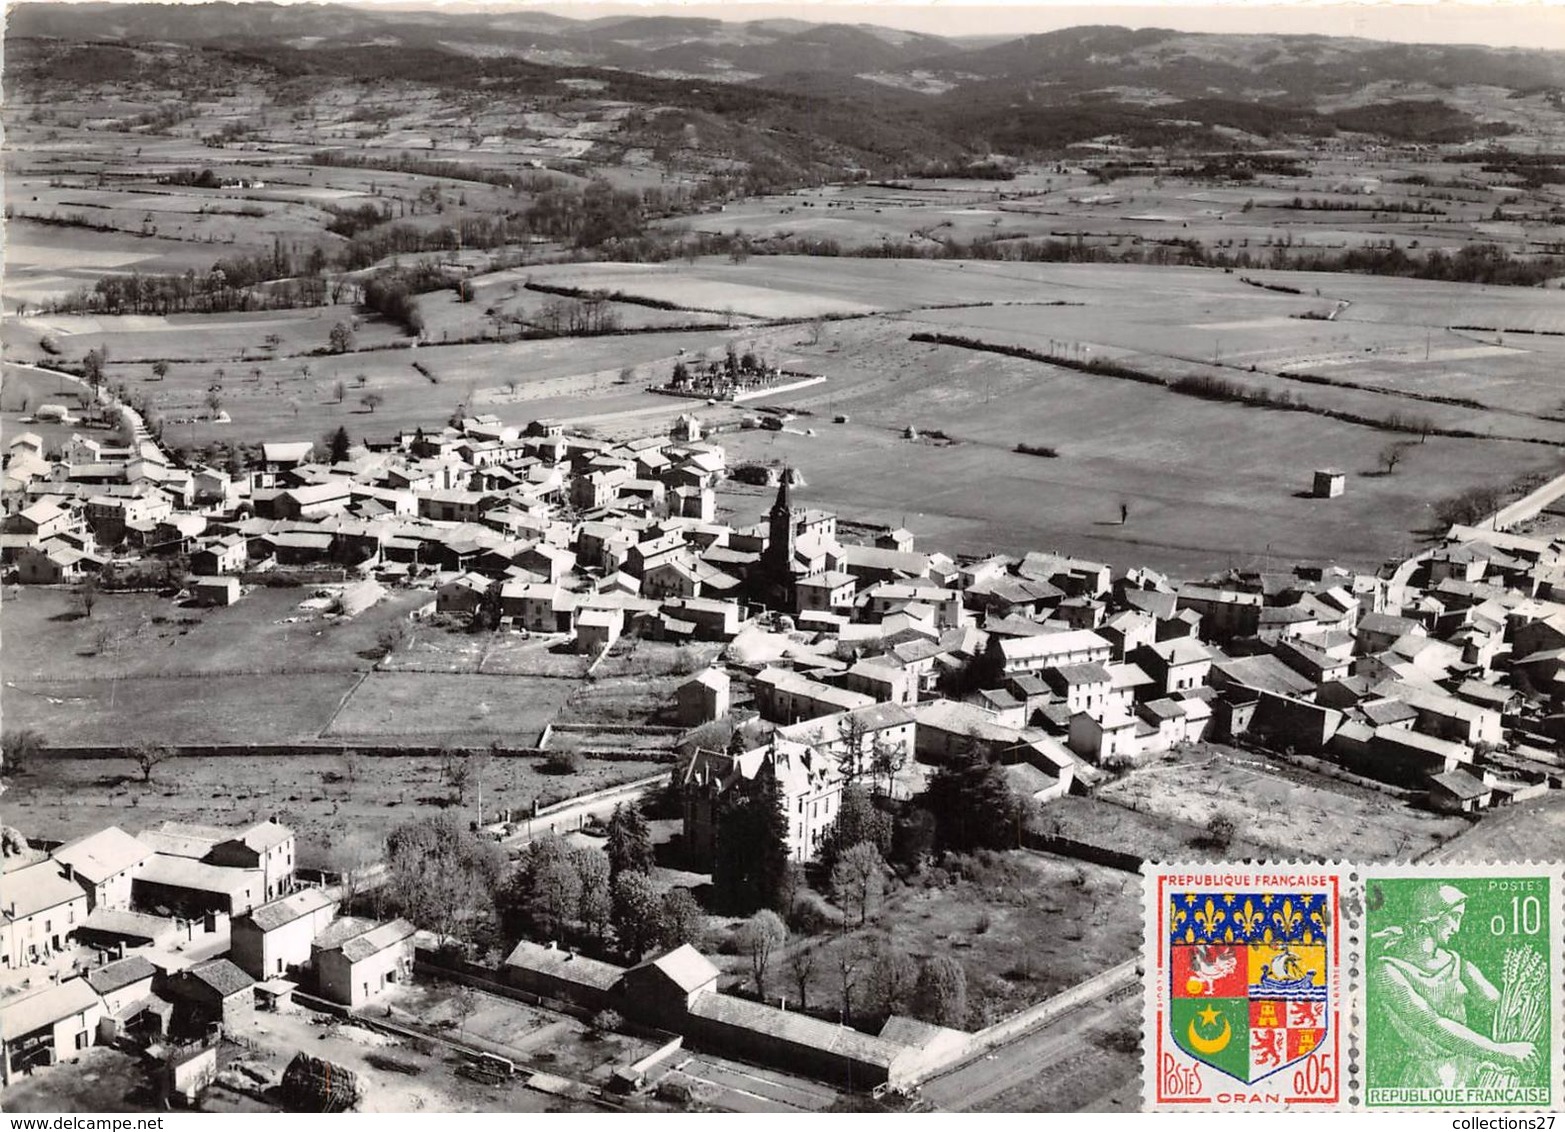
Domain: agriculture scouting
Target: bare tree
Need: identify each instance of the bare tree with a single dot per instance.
(339, 390)
(464, 1004)
(103, 638)
(859, 878)
(886, 760)
(371, 401)
(86, 596)
(848, 959)
(1392, 455)
(150, 756)
(802, 963)
(340, 340)
(760, 936)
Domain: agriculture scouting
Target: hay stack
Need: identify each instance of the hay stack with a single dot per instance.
(312, 1084)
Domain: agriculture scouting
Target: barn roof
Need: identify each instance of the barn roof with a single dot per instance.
(685, 966)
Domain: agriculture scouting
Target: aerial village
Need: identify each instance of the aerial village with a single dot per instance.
(1439, 679)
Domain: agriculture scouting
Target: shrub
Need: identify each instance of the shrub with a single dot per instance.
(756, 475)
(1471, 506)
(562, 762)
(1043, 450)
(390, 637)
(813, 914)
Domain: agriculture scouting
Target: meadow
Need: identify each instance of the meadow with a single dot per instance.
(341, 808)
(1282, 808)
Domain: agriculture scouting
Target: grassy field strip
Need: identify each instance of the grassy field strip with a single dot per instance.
(343, 702)
(1127, 373)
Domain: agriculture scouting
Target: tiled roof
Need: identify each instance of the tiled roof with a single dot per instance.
(287, 909)
(796, 1029)
(20, 1016)
(101, 855)
(686, 967)
(120, 974)
(222, 976)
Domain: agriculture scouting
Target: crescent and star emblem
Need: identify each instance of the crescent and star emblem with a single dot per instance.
(1210, 1046)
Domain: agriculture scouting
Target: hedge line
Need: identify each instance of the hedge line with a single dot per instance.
(1217, 389)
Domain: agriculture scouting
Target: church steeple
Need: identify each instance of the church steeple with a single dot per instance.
(784, 503)
(775, 573)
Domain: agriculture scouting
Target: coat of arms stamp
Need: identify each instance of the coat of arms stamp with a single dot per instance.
(1460, 991)
(1245, 998)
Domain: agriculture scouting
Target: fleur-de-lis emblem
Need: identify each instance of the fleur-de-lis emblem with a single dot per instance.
(1209, 916)
(1287, 918)
(1249, 918)
(1318, 917)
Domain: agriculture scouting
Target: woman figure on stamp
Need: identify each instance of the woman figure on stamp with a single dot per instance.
(1427, 1002)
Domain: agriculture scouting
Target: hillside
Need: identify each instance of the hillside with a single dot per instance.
(798, 101)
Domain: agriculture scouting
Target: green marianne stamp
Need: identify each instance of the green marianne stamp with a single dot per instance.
(1459, 987)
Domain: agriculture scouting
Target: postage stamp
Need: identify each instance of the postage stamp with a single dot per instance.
(1459, 999)
(1245, 969)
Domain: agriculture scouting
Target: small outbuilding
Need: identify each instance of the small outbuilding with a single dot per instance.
(556, 973)
(1329, 484)
(214, 993)
(1458, 792)
(214, 590)
(662, 989)
(705, 697)
(597, 629)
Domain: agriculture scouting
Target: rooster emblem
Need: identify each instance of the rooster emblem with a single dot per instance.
(1207, 965)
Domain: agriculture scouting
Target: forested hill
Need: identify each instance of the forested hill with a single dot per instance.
(815, 99)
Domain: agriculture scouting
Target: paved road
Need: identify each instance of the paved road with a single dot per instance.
(572, 817)
(567, 818)
(972, 1085)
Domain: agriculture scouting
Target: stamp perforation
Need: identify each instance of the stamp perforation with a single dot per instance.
(1434, 897)
(1276, 918)
(1514, 1066)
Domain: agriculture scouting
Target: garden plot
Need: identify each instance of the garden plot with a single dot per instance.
(1293, 812)
(431, 707)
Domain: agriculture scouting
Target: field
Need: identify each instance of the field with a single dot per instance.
(1283, 810)
(141, 668)
(341, 809)
(1515, 833)
(1146, 208)
(460, 708)
(274, 669)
